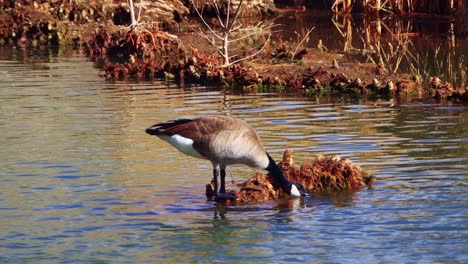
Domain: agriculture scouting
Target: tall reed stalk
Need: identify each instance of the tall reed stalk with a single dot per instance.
(440, 7)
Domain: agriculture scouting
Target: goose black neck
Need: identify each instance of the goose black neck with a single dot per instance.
(277, 173)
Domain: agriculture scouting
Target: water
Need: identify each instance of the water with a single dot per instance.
(82, 183)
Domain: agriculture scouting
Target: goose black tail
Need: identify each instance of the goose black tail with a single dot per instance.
(160, 128)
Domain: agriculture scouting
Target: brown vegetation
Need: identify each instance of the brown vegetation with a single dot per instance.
(323, 174)
(443, 7)
(27, 23)
(64, 22)
(277, 72)
(148, 51)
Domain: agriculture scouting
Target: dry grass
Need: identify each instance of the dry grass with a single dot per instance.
(330, 174)
(441, 7)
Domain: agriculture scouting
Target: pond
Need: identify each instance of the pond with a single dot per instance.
(82, 183)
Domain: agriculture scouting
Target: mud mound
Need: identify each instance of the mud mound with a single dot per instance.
(323, 174)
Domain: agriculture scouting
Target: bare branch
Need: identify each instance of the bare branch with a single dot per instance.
(237, 28)
(139, 11)
(228, 14)
(231, 30)
(132, 14)
(243, 37)
(212, 43)
(204, 22)
(254, 31)
(240, 9)
(302, 41)
(218, 14)
(253, 54)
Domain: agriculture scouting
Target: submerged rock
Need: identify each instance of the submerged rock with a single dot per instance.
(323, 174)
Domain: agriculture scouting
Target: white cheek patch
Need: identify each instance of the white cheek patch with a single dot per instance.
(294, 191)
(183, 144)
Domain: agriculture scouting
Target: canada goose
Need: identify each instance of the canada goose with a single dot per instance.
(224, 141)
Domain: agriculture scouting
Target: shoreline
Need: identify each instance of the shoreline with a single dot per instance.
(187, 57)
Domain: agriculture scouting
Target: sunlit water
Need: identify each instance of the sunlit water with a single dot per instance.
(82, 183)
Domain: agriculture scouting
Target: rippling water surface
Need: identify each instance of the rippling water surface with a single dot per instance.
(81, 181)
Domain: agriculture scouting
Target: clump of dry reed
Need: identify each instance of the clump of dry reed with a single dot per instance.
(442, 7)
(323, 174)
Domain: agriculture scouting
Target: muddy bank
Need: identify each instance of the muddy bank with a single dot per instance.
(312, 73)
(152, 51)
(330, 174)
(63, 22)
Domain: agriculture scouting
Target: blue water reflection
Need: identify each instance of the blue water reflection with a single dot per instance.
(81, 182)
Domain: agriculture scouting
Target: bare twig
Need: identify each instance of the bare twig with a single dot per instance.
(302, 41)
(206, 23)
(213, 43)
(139, 11)
(254, 31)
(253, 54)
(240, 9)
(218, 13)
(134, 20)
(230, 30)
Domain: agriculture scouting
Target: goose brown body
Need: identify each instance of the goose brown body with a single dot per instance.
(222, 140)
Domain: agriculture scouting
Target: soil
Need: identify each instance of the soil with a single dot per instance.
(320, 73)
(153, 52)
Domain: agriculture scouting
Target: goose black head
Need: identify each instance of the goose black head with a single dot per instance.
(290, 188)
(296, 190)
